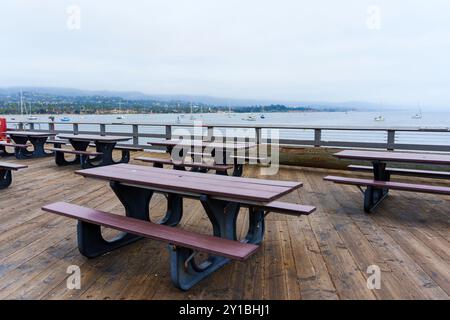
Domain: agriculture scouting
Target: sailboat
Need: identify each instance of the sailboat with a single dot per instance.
(418, 115)
(380, 116)
(119, 117)
(31, 117)
(192, 115)
(22, 105)
(250, 117)
(21, 102)
(262, 115)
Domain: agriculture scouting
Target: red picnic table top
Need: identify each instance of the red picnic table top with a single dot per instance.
(243, 190)
(30, 133)
(203, 144)
(394, 156)
(93, 137)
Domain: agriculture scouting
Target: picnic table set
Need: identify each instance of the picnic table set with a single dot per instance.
(20, 145)
(377, 188)
(225, 155)
(222, 196)
(103, 155)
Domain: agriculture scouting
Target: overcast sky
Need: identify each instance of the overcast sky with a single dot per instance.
(322, 50)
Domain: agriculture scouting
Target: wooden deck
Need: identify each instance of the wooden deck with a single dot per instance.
(323, 256)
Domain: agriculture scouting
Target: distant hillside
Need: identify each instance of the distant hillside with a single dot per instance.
(12, 93)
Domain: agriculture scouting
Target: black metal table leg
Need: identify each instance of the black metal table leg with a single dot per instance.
(60, 159)
(106, 148)
(79, 159)
(136, 203)
(125, 158)
(5, 178)
(174, 210)
(38, 144)
(374, 196)
(256, 226)
(185, 271)
(223, 216)
(21, 153)
(238, 168)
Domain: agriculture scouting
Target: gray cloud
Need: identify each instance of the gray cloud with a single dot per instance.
(287, 49)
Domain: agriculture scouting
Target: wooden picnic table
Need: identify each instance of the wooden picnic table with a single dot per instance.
(221, 197)
(378, 189)
(37, 139)
(104, 147)
(222, 152)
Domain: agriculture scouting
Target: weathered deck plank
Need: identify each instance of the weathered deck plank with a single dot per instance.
(321, 256)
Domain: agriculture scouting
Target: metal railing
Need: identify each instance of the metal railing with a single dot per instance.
(385, 138)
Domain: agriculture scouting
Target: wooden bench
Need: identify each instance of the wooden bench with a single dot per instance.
(82, 157)
(405, 172)
(287, 208)
(57, 143)
(179, 239)
(16, 146)
(424, 188)
(5, 173)
(201, 154)
(128, 148)
(78, 152)
(373, 199)
(125, 158)
(159, 162)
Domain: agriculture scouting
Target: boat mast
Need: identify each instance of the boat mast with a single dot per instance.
(21, 102)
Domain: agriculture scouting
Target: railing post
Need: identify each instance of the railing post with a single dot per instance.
(258, 135)
(258, 138)
(102, 129)
(210, 133)
(390, 140)
(31, 126)
(168, 132)
(135, 135)
(75, 128)
(20, 125)
(51, 127)
(317, 137)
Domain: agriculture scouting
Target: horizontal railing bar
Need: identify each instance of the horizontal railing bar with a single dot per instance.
(296, 142)
(354, 144)
(261, 126)
(322, 136)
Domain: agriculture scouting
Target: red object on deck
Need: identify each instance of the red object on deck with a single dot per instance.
(3, 129)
